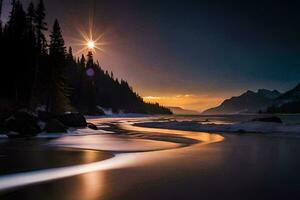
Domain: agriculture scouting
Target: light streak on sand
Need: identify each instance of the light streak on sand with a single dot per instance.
(120, 160)
(203, 137)
(28, 178)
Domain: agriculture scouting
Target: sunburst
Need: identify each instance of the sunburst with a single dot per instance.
(90, 43)
(91, 40)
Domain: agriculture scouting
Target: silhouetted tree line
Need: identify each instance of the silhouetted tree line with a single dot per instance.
(40, 72)
(93, 86)
(290, 107)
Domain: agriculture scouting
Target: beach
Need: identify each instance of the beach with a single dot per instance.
(151, 163)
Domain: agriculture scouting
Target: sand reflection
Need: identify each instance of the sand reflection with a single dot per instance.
(131, 152)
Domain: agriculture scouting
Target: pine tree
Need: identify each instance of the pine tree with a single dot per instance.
(31, 14)
(1, 28)
(31, 29)
(112, 75)
(70, 56)
(42, 65)
(17, 42)
(41, 26)
(33, 54)
(57, 48)
(91, 86)
(24, 46)
(14, 24)
(82, 61)
(58, 96)
(90, 60)
(1, 2)
(2, 50)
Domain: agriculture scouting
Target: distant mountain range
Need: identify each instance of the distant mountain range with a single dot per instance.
(289, 96)
(263, 100)
(181, 111)
(248, 102)
(288, 102)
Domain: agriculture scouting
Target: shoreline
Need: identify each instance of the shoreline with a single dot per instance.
(242, 128)
(116, 151)
(61, 154)
(40, 156)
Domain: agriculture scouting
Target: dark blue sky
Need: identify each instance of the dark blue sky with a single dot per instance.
(207, 50)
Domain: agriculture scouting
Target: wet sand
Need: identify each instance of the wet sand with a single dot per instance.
(239, 167)
(28, 155)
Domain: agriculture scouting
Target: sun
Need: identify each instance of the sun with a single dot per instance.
(91, 45)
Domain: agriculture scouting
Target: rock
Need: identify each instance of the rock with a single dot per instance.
(45, 116)
(2, 125)
(268, 119)
(92, 126)
(55, 126)
(22, 124)
(72, 120)
(3, 116)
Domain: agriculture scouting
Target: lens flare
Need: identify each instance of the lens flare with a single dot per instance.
(91, 39)
(91, 44)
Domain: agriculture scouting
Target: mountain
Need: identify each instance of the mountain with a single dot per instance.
(181, 111)
(248, 102)
(289, 96)
(288, 102)
(269, 94)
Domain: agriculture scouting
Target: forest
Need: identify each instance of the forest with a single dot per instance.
(38, 71)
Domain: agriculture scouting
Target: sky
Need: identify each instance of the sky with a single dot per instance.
(191, 54)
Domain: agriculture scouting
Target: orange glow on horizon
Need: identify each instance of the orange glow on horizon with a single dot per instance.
(187, 101)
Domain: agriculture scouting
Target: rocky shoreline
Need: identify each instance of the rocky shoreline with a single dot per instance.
(24, 124)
